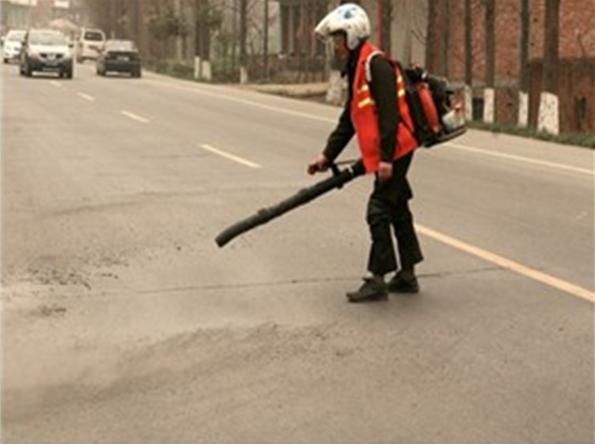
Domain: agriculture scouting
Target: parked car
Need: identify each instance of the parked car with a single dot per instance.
(11, 48)
(46, 50)
(89, 44)
(119, 56)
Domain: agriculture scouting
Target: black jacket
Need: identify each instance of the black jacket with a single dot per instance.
(384, 91)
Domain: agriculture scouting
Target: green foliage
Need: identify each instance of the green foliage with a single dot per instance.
(171, 67)
(223, 72)
(578, 139)
(165, 24)
(211, 17)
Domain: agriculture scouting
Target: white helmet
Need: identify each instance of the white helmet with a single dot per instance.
(351, 19)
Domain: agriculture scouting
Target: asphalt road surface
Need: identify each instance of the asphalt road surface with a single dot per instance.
(124, 322)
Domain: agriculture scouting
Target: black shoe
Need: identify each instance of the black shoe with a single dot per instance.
(371, 290)
(403, 282)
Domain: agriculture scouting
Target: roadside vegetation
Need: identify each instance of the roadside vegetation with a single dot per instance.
(577, 139)
(185, 70)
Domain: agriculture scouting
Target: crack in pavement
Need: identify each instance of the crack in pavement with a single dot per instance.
(304, 281)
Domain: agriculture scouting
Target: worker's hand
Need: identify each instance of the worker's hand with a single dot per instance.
(385, 171)
(321, 163)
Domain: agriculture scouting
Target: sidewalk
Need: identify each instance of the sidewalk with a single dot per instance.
(298, 90)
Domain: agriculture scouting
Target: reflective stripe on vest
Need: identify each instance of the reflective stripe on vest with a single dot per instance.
(364, 113)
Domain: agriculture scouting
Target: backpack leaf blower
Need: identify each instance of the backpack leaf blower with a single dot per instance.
(436, 118)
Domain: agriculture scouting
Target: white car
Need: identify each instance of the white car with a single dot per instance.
(12, 45)
(89, 44)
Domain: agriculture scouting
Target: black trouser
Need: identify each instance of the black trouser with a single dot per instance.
(389, 205)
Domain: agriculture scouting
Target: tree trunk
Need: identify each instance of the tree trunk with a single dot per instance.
(136, 23)
(300, 47)
(468, 60)
(549, 105)
(445, 37)
(490, 74)
(178, 38)
(407, 40)
(468, 43)
(385, 18)
(550, 66)
(490, 22)
(524, 64)
(113, 18)
(265, 49)
(243, 39)
(524, 45)
(431, 35)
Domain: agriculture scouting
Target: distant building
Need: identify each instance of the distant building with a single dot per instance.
(16, 14)
(25, 13)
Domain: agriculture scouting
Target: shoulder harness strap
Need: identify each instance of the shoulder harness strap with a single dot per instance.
(368, 61)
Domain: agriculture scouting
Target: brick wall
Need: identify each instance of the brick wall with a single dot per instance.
(577, 82)
(577, 42)
(577, 36)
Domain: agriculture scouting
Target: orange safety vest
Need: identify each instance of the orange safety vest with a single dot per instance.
(364, 114)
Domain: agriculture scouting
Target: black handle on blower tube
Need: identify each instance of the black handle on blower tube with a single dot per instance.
(339, 178)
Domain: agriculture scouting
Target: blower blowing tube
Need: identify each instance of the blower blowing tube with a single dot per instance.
(305, 195)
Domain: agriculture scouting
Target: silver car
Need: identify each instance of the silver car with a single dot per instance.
(12, 45)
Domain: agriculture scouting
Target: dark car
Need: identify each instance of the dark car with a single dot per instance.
(46, 50)
(119, 56)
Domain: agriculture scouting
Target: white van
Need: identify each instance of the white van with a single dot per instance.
(89, 44)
